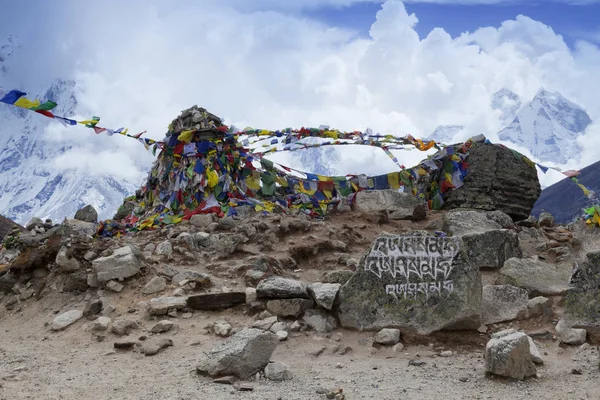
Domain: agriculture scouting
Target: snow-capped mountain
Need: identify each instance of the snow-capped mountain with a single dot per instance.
(30, 184)
(445, 133)
(507, 103)
(548, 126)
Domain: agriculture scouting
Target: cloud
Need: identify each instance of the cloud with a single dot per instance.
(273, 69)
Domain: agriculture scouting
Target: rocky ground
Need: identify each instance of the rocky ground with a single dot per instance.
(108, 318)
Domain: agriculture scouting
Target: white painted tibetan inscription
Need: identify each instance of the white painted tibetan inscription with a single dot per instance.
(422, 264)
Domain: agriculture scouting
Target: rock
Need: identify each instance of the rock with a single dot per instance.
(582, 300)
(276, 287)
(124, 326)
(250, 295)
(123, 263)
(535, 353)
(508, 354)
(504, 220)
(461, 222)
(502, 303)
(278, 326)
(202, 220)
(156, 284)
(278, 371)
(289, 307)
(164, 248)
(162, 305)
(446, 353)
(416, 282)
(540, 306)
(216, 301)
(265, 324)
(319, 321)
(66, 263)
(162, 326)
(496, 180)
(388, 336)
(125, 210)
(101, 324)
(546, 220)
(573, 336)
(537, 277)
(340, 276)
(92, 308)
(225, 380)
(282, 335)
(65, 319)
(152, 347)
(87, 214)
(114, 286)
(397, 205)
(34, 223)
(222, 329)
(324, 294)
(242, 355)
(202, 281)
(125, 344)
(489, 250)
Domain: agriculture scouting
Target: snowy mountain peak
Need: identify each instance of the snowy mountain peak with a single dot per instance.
(548, 126)
(7, 49)
(507, 102)
(445, 133)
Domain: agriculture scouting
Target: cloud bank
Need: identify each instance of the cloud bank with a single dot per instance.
(146, 61)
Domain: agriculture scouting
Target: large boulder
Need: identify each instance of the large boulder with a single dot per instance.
(417, 283)
(87, 214)
(125, 262)
(503, 303)
(397, 205)
(535, 276)
(487, 244)
(582, 300)
(243, 354)
(498, 178)
(508, 354)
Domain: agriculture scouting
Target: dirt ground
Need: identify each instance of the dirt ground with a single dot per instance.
(36, 363)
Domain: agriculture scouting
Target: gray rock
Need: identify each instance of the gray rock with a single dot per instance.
(282, 335)
(123, 263)
(276, 287)
(153, 346)
(156, 284)
(162, 326)
(265, 324)
(497, 180)
(34, 223)
(388, 336)
(278, 371)
(164, 248)
(536, 357)
(416, 282)
(340, 276)
(278, 326)
(582, 300)
(250, 295)
(319, 321)
(504, 220)
(242, 355)
(465, 222)
(503, 303)
(508, 354)
(289, 307)
(489, 250)
(125, 210)
(222, 329)
(162, 305)
(65, 319)
(81, 227)
(324, 294)
(65, 263)
(101, 324)
(87, 214)
(202, 220)
(540, 306)
(224, 244)
(124, 326)
(546, 220)
(573, 336)
(535, 276)
(92, 308)
(114, 286)
(203, 280)
(397, 205)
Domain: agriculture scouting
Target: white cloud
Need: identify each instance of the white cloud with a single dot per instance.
(272, 70)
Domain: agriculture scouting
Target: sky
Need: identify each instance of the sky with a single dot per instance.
(395, 67)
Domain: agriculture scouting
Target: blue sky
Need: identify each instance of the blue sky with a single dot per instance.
(573, 22)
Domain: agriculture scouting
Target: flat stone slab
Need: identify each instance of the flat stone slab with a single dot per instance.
(537, 277)
(216, 301)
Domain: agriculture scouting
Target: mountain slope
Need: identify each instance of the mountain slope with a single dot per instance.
(565, 200)
(548, 126)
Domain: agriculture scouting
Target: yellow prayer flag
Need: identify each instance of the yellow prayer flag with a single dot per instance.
(393, 180)
(24, 102)
(185, 136)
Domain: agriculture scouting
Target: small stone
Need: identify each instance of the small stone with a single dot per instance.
(446, 353)
(225, 380)
(222, 329)
(295, 327)
(398, 348)
(366, 341)
(388, 336)
(101, 324)
(282, 335)
(152, 347)
(341, 349)
(278, 371)
(245, 387)
(114, 286)
(124, 344)
(250, 295)
(156, 284)
(265, 324)
(92, 308)
(278, 326)
(573, 336)
(65, 319)
(162, 326)
(124, 326)
(482, 329)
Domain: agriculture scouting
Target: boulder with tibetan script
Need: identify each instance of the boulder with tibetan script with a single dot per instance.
(417, 283)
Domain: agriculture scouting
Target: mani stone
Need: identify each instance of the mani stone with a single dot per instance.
(417, 283)
(582, 300)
